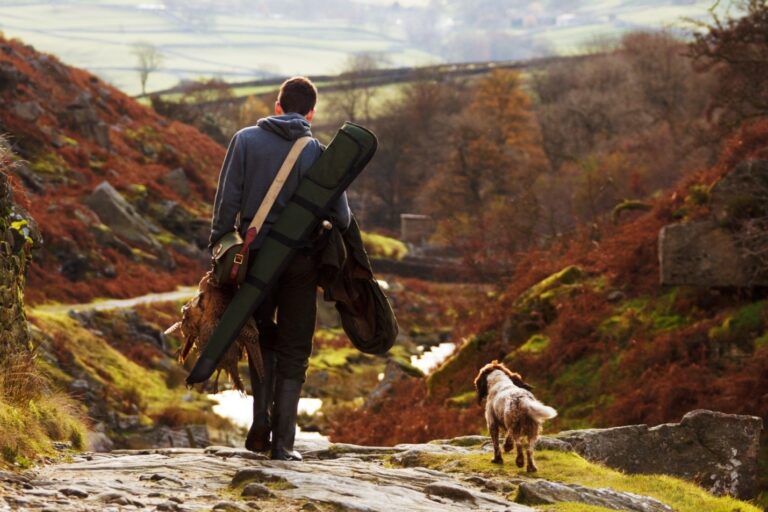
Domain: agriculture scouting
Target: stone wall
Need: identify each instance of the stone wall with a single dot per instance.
(16, 240)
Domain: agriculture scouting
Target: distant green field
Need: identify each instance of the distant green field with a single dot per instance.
(99, 35)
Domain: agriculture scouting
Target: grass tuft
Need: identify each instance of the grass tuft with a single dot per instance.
(32, 416)
(570, 468)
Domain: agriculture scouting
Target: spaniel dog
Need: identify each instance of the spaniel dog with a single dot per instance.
(510, 404)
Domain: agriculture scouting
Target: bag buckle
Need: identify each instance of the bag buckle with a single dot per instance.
(239, 258)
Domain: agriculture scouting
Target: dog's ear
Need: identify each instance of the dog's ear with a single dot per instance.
(481, 384)
(519, 382)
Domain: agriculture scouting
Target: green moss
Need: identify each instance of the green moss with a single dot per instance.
(127, 381)
(380, 246)
(569, 275)
(468, 355)
(280, 485)
(49, 163)
(141, 255)
(698, 195)
(327, 358)
(576, 389)
(572, 469)
(741, 325)
(463, 400)
(761, 342)
(535, 344)
(168, 238)
(643, 314)
(629, 205)
(571, 507)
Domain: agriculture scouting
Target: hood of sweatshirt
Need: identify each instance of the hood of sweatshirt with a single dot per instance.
(288, 126)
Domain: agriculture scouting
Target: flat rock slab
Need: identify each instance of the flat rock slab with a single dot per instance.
(349, 484)
(543, 492)
(197, 479)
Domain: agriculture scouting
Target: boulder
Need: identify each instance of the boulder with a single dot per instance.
(720, 251)
(703, 254)
(114, 211)
(99, 442)
(27, 110)
(741, 194)
(83, 116)
(718, 451)
(177, 180)
(394, 372)
(256, 490)
(543, 492)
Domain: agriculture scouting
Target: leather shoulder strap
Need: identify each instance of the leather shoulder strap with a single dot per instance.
(277, 185)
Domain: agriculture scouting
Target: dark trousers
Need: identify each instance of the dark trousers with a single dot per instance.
(286, 319)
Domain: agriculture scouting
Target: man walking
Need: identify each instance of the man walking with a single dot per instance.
(286, 319)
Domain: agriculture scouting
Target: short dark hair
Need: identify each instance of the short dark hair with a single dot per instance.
(297, 94)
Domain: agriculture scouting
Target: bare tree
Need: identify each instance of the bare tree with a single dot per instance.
(148, 59)
(354, 101)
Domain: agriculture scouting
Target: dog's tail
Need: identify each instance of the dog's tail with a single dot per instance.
(538, 410)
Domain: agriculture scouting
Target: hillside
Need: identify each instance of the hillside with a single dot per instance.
(589, 325)
(71, 133)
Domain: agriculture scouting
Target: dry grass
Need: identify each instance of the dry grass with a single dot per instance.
(32, 415)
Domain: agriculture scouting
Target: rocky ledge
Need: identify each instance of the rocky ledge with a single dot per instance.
(443, 475)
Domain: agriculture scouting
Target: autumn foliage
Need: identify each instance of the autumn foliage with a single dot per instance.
(71, 131)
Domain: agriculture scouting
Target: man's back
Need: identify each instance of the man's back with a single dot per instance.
(254, 156)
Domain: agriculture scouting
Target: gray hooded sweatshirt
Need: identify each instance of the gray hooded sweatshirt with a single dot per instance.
(254, 156)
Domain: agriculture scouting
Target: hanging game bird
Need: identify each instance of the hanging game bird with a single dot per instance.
(199, 318)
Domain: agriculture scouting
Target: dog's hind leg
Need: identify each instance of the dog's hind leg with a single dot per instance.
(493, 427)
(520, 460)
(509, 443)
(529, 453)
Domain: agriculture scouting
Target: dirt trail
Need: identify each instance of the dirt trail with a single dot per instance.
(181, 293)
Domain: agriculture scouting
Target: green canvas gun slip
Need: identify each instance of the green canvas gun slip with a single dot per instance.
(341, 162)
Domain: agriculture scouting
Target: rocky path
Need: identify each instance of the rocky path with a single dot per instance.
(332, 478)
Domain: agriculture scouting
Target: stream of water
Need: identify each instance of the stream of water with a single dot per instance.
(238, 407)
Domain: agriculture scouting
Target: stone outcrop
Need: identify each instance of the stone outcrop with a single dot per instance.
(718, 451)
(703, 254)
(719, 251)
(742, 193)
(543, 492)
(122, 218)
(18, 234)
(82, 115)
(177, 180)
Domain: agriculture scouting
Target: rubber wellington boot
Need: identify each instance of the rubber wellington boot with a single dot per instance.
(287, 394)
(263, 391)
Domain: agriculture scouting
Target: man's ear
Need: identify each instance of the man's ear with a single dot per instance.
(310, 115)
(278, 109)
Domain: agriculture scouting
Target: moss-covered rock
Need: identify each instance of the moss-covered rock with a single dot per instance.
(570, 468)
(15, 245)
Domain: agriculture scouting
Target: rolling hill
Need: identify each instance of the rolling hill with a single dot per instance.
(239, 40)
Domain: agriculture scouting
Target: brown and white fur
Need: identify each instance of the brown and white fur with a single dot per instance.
(510, 404)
